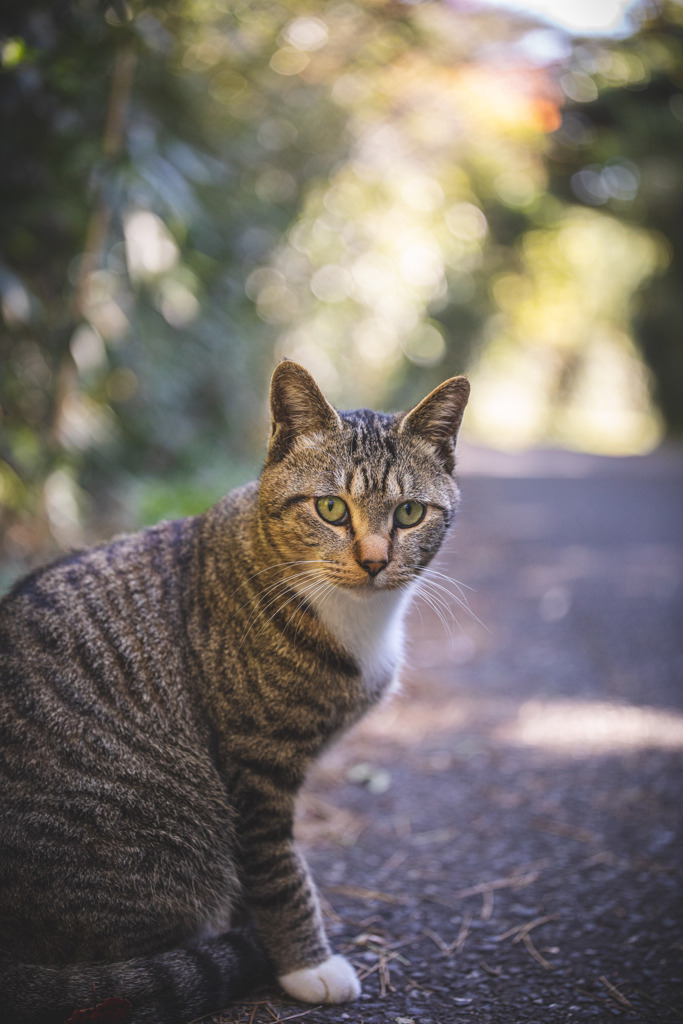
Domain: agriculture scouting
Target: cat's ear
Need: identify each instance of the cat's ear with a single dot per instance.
(297, 406)
(438, 417)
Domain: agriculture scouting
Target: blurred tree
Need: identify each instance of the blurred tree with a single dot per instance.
(194, 189)
(54, 89)
(158, 164)
(620, 149)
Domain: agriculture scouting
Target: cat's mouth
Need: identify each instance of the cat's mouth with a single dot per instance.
(356, 578)
(361, 585)
(381, 582)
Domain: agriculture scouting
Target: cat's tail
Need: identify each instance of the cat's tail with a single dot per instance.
(169, 988)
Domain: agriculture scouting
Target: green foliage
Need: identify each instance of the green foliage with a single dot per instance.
(621, 150)
(192, 190)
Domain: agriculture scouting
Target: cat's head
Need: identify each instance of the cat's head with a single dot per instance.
(362, 498)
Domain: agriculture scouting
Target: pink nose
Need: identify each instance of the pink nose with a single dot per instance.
(372, 552)
(373, 567)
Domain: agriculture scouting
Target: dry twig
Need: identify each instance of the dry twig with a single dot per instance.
(487, 899)
(520, 930)
(385, 954)
(538, 957)
(521, 934)
(615, 993)
(566, 831)
(484, 889)
(514, 881)
(447, 949)
(355, 892)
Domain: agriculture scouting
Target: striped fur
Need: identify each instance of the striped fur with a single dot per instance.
(161, 698)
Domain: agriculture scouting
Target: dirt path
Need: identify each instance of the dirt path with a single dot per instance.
(504, 843)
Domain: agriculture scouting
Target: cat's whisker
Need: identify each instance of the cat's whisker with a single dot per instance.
(447, 595)
(263, 601)
(419, 612)
(462, 602)
(276, 589)
(310, 591)
(279, 565)
(427, 570)
(321, 589)
(444, 593)
(446, 625)
(445, 576)
(462, 598)
(289, 583)
(441, 609)
(459, 598)
(274, 594)
(279, 585)
(260, 595)
(284, 581)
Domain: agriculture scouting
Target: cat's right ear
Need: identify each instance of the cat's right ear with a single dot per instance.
(297, 406)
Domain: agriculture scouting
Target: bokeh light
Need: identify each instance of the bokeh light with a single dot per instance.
(580, 16)
(390, 194)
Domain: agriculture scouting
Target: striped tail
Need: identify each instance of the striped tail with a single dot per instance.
(169, 988)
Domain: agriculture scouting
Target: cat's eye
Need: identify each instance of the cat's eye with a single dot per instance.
(409, 513)
(332, 510)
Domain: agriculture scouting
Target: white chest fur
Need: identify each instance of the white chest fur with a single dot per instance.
(371, 629)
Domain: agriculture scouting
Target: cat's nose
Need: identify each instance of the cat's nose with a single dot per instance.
(373, 553)
(373, 567)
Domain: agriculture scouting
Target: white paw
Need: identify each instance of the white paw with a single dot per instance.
(332, 981)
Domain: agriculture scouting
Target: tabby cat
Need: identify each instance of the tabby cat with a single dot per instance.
(162, 696)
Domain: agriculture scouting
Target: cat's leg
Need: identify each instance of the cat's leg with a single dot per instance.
(284, 902)
(297, 928)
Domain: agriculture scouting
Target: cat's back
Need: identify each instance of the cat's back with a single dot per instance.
(97, 627)
(107, 781)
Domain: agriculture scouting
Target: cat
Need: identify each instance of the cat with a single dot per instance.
(162, 696)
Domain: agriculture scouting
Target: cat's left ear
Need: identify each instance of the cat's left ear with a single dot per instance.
(297, 406)
(438, 417)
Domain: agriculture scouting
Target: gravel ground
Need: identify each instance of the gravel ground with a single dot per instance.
(504, 842)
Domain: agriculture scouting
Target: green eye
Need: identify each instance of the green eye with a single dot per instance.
(332, 510)
(409, 513)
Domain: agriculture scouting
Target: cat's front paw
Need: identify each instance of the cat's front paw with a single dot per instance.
(332, 981)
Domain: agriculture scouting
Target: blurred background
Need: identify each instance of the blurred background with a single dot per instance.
(390, 193)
